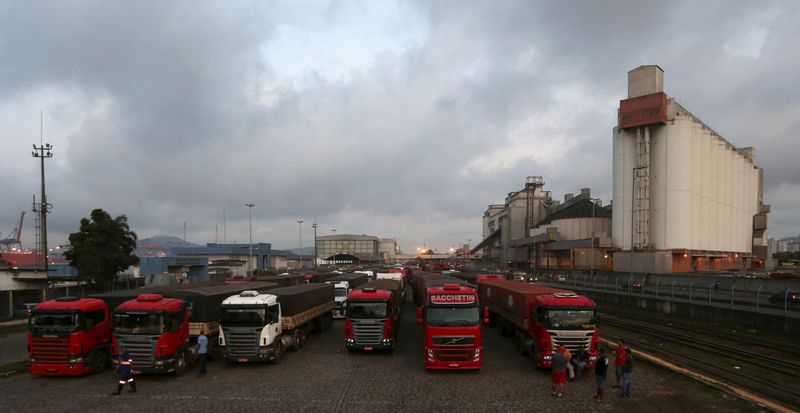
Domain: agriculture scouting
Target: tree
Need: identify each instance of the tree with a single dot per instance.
(102, 248)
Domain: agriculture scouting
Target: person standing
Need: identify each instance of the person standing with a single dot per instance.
(125, 369)
(619, 359)
(627, 371)
(600, 371)
(202, 352)
(570, 361)
(559, 372)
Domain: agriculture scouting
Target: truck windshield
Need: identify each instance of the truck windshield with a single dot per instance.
(453, 316)
(243, 317)
(568, 319)
(340, 292)
(53, 322)
(362, 309)
(139, 323)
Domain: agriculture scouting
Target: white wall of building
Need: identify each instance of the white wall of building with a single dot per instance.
(703, 192)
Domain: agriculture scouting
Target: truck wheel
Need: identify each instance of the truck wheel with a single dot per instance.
(180, 364)
(276, 358)
(99, 361)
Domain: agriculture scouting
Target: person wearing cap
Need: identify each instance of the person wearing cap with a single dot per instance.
(125, 369)
(559, 372)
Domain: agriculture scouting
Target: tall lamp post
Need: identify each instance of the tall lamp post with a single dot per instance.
(300, 240)
(250, 221)
(314, 225)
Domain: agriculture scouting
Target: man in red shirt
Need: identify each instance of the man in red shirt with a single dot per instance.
(620, 354)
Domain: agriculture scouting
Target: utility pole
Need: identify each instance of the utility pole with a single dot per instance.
(593, 201)
(43, 152)
(314, 225)
(250, 220)
(300, 240)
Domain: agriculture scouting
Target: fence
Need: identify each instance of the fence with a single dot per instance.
(760, 295)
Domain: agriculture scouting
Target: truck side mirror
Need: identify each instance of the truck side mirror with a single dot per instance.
(419, 315)
(486, 315)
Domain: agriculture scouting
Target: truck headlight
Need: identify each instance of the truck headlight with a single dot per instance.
(547, 357)
(159, 363)
(430, 355)
(75, 360)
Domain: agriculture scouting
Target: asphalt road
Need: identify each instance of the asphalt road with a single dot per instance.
(324, 377)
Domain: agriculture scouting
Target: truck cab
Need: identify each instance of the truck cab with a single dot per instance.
(562, 319)
(155, 330)
(69, 336)
(340, 291)
(373, 316)
(250, 324)
(452, 327)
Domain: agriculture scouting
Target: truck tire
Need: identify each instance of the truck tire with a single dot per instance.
(181, 363)
(99, 361)
(278, 353)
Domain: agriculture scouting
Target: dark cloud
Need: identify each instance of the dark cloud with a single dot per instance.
(181, 115)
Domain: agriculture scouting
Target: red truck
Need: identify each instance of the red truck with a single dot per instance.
(155, 330)
(540, 319)
(69, 336)
(448, 307)
(373, 315)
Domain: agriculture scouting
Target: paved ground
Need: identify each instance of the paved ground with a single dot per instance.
(323, 377)
(13, 347)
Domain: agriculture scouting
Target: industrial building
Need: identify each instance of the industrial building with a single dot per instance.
(512, 220)
(573, 235)
(235, 259)
(685, 199)
(349, 248)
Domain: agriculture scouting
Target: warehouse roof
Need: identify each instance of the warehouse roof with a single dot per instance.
(580, 209)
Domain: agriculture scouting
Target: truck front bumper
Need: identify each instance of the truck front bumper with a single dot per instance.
(453, 358)
(385, 344)
(75, 366)
(264, 353)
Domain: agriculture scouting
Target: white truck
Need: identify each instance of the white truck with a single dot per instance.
(262, 326)
(342, 285)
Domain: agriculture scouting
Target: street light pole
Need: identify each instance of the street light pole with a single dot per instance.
(300, 240)
(250, 221)
(315, 242)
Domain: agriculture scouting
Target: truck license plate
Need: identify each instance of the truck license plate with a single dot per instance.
(367, 348)
(243, 360)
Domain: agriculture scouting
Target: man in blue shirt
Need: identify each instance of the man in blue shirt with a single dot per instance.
(202, 351)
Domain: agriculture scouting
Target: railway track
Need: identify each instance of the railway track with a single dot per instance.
(771, 390)
(786, 349)
(782, 365)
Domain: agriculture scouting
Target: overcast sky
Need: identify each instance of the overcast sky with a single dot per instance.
(396, 119)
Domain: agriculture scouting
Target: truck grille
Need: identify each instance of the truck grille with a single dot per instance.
(453, 340)
(367, 332)
(573, 341)
(50, 350)
(141, 349)
(454, 355)
(242, 341)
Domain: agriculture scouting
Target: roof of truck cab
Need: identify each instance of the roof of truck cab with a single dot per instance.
(360, 294)
(551, 300)
(164, 304)
(260, 299)
(80, 304)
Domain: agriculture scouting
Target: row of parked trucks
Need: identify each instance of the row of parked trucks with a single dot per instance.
(260, 321)
(159, 325)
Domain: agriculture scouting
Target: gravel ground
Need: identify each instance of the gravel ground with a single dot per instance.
(324, 377)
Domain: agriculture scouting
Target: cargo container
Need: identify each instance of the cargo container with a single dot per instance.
(373, 315)
(262, 326)
(540, 319)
